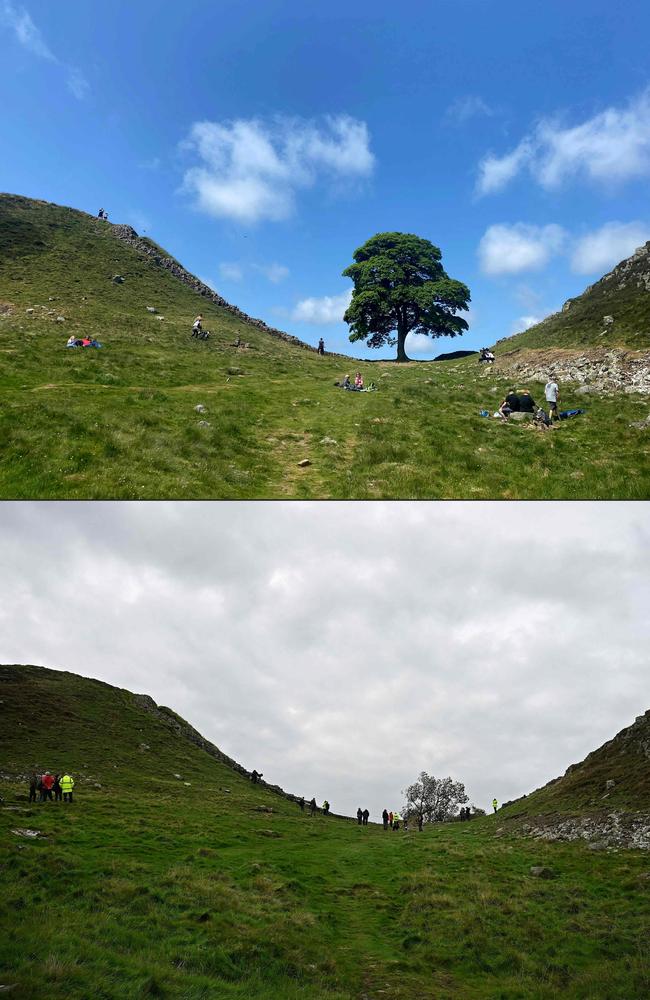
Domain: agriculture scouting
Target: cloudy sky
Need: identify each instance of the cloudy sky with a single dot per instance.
(342, 648)
(261, 144)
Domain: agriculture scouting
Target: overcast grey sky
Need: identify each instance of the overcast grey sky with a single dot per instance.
(341, 648)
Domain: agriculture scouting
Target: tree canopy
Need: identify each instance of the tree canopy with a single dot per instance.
(433, 800)
(400, 287)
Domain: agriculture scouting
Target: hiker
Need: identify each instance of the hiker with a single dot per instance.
(301, 803)
(326, 807)
(105, 216)
(358, 381)
(396, 821)
(390, 820)
(526, 401)
(384, 817)
(255, 776)
(495, 804)
(100, 214)
(365, 814)
(359, 816)
(321, 346)
(512, 400)
(46, 787)
(197, 328)
(56, 788)
(67, 784)
(312, 807)
(551, 393)
(33, 784)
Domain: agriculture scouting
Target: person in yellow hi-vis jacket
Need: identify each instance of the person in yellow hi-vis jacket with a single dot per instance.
(67, 784)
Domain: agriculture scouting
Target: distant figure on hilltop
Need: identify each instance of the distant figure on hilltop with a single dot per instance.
(359, 816)
(312, 807)
(301, 803)
(321, 346)
(396, 820)
(495, 804)
(384, 817)
(366, 814)
(100, 214)
(326, 807)
(255, 776)
(33, 785)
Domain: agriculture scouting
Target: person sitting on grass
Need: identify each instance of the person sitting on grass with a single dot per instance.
(504, 409)
(526, 401)
(512, 399)
(358, 381)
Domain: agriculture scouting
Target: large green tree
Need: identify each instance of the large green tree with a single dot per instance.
(400, 287)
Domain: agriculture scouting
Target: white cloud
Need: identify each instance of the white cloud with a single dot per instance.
(612, 146)
(511, 249)
(77, 84)
(26, 32)
(251, 170)
(231, 271)
(419, 343)
(20, 22)
(525, 323)
(275, 273)
(324, 311)
(469, 106)
(600, 250)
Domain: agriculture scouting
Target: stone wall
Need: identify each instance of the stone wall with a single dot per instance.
(594, 370)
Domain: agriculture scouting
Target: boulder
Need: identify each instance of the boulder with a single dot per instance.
(150, 309)
(118, 279)
(200, 408)
(304, 462)
(541, 871)
(204, 423)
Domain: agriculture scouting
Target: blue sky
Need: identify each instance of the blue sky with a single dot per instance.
(262, 143)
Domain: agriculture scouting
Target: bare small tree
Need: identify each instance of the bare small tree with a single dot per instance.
(432, 800)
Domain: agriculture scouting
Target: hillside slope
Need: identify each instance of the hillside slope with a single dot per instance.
(156, 414)
(171, 875)
(604, 798)
(613, 312)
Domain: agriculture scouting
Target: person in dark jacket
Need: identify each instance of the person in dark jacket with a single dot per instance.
(312, 807)
(301, 803)
(56, 788)
(33, 785)
(512, 401)
(526, 401)
(255, 776)
(359, 816)
(366, 814)
(384, 817)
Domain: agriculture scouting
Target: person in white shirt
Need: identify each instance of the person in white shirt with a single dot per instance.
(552, 392)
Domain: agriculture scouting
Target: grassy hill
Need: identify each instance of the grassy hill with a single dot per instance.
(171, 875)
(121, 422)
(613, 312)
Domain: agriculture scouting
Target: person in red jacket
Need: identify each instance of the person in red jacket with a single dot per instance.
(47, 781)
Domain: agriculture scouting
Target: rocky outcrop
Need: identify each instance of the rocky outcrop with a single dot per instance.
(128, 235)
(595, 370)
(609, 830)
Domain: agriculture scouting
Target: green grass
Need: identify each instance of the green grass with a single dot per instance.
(148, 887)
(120, 422)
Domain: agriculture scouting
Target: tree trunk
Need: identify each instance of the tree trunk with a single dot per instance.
(401, 338)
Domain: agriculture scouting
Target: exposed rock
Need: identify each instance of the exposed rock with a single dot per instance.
(641, 425)
(304, 462)
(30, 834)
(541, 871)
(610, 783)
(200, 408)
(204, 423)
(60, 319)
(119, 279)
(145, 746)
(29, 311)
(608, 320)
(328, 440)
(151, 309)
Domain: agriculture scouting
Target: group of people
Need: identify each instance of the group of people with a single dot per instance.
(486, 355)
(82, 342)
(102, 214)
(357, 386)
(392, 820)
(313, 808)
(51, 787)
(362, 816)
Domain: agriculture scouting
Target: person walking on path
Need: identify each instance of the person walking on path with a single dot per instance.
(552, 393)
(56, 788)
(359, 816)
(312, 807)
(366, 815)
(67, 784)
(384, 817)
(321, 346)
(33, 785)
(495, 804)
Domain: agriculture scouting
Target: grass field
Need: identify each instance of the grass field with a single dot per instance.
(151, 887)
(120, 422)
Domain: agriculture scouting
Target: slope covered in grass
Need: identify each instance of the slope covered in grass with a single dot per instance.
(205, 886)
(121, 421)
(613, 312)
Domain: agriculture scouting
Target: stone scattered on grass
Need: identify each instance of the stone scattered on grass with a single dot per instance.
(268, 833)
(204, 423)
(30, 834)
(60, 319)
(541, 871)
(641, 425)
(200, 408)
(328, 440)
(304, 462)
(180, 778)
(151, 309)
